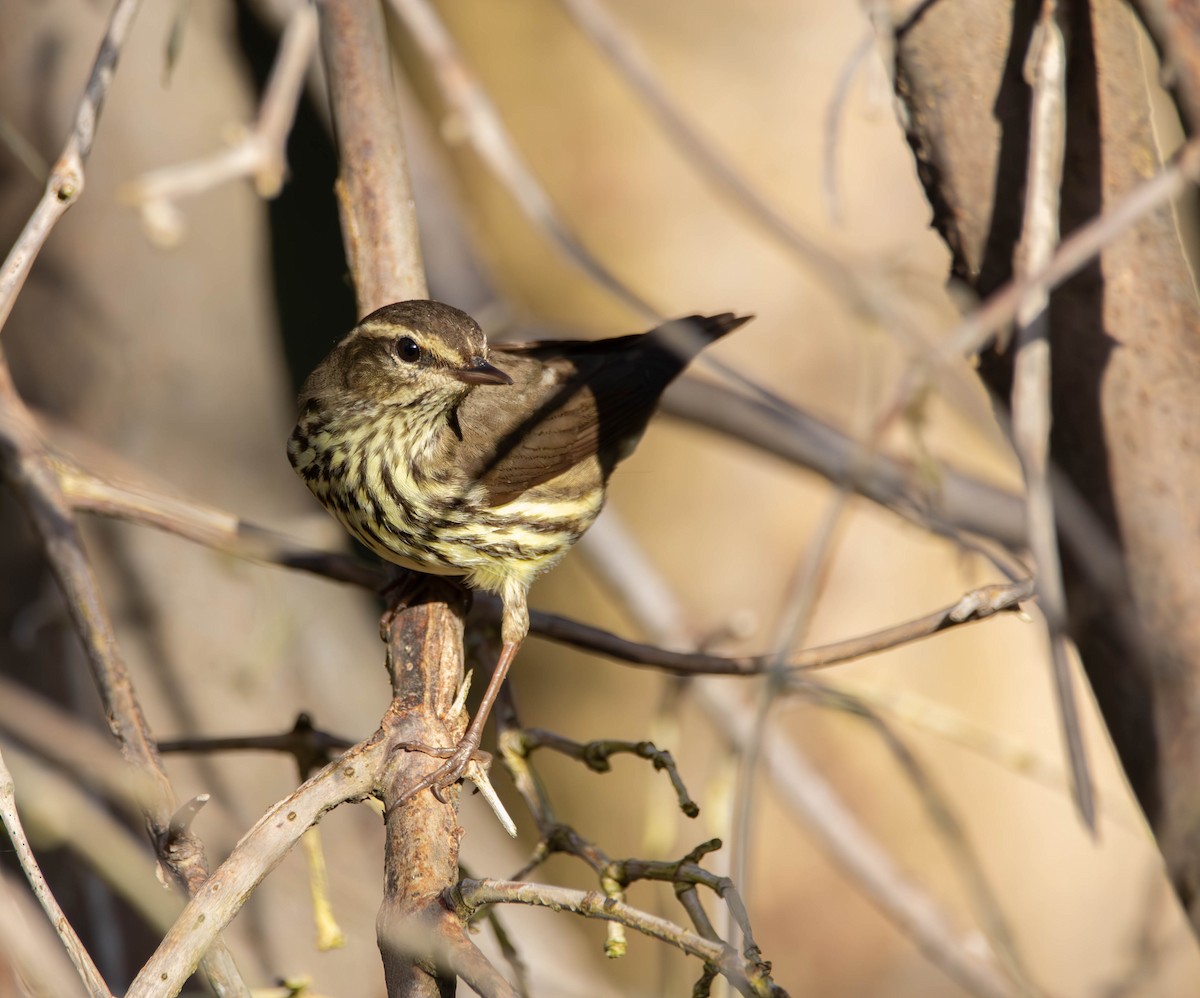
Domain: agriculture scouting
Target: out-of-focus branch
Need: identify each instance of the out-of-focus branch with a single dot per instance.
(261, 153)
(84, 752)
(1073, 253)
(595, 21)
(379, 225)
(477, 121)
(981, 326)
(207, 525)
(31, 474)
(65, 184)
(959, 846)
(958, 504)
(16, 834)
(226, 532)
(1046, 65)
(1172, 25)
(60, 814)
(798, 785)
(270, 839)
(29, 946)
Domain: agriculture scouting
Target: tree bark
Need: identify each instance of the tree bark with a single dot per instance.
(1125, 336)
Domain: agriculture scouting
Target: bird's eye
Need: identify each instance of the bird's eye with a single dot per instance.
(407, 349)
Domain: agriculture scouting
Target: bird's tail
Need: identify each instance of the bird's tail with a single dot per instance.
(686, 337)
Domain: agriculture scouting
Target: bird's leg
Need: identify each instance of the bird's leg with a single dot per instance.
(514, 626)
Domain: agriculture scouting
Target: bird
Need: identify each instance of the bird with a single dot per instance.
(447, 456)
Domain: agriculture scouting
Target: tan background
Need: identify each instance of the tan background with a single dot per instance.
(172, 359)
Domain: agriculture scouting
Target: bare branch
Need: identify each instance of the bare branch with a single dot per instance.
(65, 184)
(476, 120)
(469, 895)
(976, 605)
(261, 153)
(1047, 65)
(260, 850)
(379, 225)
(804, 792)
(16, 834)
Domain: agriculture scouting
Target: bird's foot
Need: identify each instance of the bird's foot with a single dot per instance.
(451, 771)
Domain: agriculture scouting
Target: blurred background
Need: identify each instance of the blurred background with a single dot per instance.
(176, 366)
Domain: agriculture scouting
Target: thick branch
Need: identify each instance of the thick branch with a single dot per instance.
(379, 224)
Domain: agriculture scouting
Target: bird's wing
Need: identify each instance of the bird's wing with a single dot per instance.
(558, 412)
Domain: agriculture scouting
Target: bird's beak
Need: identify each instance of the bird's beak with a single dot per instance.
(480, 372)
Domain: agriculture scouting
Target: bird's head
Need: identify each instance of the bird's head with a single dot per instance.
(409, 353)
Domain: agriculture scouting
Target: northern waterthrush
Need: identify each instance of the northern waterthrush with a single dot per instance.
(446, 457)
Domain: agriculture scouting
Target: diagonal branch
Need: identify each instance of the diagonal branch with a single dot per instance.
(65, 184)
(261, 153)
(16, 834)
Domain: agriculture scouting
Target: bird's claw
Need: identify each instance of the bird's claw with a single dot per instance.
(451, 771)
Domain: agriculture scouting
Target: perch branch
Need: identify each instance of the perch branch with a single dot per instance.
(379, 224)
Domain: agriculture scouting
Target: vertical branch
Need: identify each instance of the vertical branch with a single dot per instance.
(379, 223)
(424, 635)
(16, 834)
(424, 627)
(1046, 69)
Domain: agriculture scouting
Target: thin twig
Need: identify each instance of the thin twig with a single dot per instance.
(1046, 72)
(33, 873)
(260, 153)
(803, 791)
(595, 21)
(270, 839)
(65, 183)
(976, 605)
(597, 753)
(469, 895)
